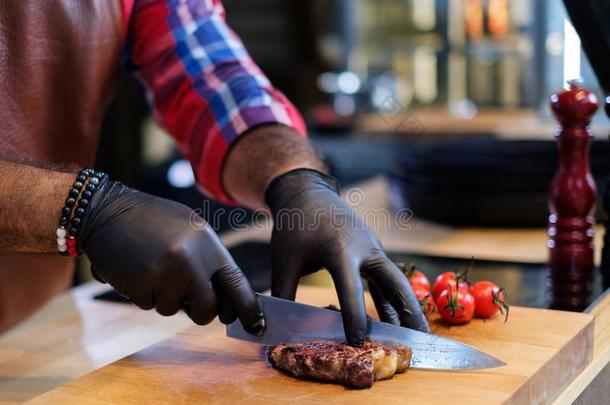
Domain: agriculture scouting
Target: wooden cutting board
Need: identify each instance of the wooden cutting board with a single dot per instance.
(544, 350)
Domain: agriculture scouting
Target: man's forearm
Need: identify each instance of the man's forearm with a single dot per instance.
(30, 202)
(260, 156)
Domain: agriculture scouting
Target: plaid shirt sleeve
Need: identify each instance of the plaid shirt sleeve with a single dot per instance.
(204, 88)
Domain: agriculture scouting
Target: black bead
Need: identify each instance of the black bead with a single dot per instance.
(87, 194)
(72, 231)
(91, 187)
(79, 212)
(77, 184)
(63, 221)
(66, 211)
(70, 201)
(74, 192)
(83, 202)
(76, 221)
(99, 175)
(81, 178)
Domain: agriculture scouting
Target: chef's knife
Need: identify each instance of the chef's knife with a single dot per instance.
(288, 321)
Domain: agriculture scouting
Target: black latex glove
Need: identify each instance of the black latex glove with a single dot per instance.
(150, 250)
(315, 228)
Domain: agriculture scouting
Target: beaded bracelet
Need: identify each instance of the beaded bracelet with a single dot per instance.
(66, 212)
(76, 204)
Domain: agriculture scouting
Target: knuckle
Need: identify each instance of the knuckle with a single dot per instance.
(402, 296)
(141, 303)
(178, 259)
(201, 319)
(207, 234)
(165, 311)
(207, 230)
(176, 251)
(229, 272)
(153, 276)
(375, 261)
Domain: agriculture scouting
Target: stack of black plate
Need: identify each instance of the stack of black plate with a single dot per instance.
(486, 181)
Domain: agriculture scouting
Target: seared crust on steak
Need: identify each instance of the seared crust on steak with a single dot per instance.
(339, 363)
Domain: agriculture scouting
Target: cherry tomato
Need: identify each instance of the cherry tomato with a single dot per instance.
(446, 280)
(425, 299)
(455, 307)
(489, 299)
(416, 277)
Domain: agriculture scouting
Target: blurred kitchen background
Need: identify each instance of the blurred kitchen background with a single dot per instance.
(447, 98)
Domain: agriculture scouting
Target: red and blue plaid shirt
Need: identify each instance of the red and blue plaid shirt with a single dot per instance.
(204, 88)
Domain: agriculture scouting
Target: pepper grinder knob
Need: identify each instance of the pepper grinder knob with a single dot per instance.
(572, 201)
(574, 106)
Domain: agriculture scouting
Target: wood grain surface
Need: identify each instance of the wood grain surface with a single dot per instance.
(596, 376)
(72, 336)
(544, 350)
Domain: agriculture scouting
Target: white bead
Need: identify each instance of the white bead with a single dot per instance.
(61, 241)
(61, 233)
(62, 248)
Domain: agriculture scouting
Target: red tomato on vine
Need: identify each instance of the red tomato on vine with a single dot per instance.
(425, 299)
(456, 306)
(415, 276)
(489, 299)
(449, 279)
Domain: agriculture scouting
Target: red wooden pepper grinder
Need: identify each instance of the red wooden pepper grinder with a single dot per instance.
(572, 202)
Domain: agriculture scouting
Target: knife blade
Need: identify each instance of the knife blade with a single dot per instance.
(288, 321)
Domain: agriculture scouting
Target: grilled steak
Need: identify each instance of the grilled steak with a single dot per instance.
(339, 363)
